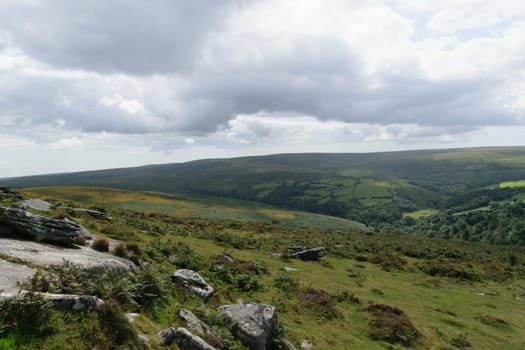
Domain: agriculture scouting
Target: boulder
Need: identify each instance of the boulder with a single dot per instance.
(188, 341)
(309, 254)
(192, 321)
(97, 214)
(167, 336)
(40, 228)
(225, 257)
(256, 323)
(192, 281)
(73, 302)
(132, 316)
(70, 302)
(287, 345)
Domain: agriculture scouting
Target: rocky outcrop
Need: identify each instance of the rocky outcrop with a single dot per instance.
(256, 323)
(43, 255)
(193, 282)
(192, 321)
(308, 254)
(184, 339)
(97, 214)
(39, 228)
(36, 204)
(71, 302)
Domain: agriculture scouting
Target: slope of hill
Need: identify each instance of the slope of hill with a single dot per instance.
(194, 207)
(377, 189)
(371, 291)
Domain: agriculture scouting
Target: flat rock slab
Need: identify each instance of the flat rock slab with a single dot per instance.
(37, 204)
(46, 255)
(10, 274)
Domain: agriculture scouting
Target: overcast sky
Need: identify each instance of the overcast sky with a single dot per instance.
(110, 83)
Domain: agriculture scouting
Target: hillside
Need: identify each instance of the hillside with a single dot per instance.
(382, 190)
(371, 291)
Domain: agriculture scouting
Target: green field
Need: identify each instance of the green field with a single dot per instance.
(420, 213)
(507, 184)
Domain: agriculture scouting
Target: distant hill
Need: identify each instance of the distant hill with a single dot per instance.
(374, 188)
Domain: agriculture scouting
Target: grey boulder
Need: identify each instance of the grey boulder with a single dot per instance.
(192, 321)
(20, 222)
(193, 282)
(256, 323)
(309, 254)
(184, 339)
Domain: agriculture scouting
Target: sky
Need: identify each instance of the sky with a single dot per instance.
(112, 83)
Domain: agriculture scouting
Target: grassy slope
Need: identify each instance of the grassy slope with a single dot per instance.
(193, 206)
(441, 308)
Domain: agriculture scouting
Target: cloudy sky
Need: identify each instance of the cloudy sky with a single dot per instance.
(110, 83)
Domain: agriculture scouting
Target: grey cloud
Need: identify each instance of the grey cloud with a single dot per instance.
(129, 36)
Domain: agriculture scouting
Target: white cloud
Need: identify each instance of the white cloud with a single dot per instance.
(258, 75)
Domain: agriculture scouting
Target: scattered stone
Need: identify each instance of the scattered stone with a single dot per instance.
(167, 336)
(225, 257)
(36, 204)
(173, 258)
(288, 269)
(143, 339)
(40, 228)
(309, 254)
(74, 302)
(132, 316)
(294, 249)
(192, 321)
(256, 323)
(306, 345)
(193, 282)
(188, 341)
(287, 345)
(70, 302)
(100, 215)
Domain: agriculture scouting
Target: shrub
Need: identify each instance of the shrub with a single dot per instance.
(286, 283)
(391, 324)
(27, 315)
(80, 240)
(446, 269)
(319, 301)
(121, 250)
(101, 244)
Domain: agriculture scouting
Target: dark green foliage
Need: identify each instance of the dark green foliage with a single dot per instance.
(286, 283)
(116, 327)
(494, 321)
(391, 324)
(121, 250)
(445, 268)
(27, 316)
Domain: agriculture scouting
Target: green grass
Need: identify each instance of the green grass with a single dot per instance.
(440, 308)
(420, 213)
(507, 184)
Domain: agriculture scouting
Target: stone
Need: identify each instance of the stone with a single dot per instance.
(256, 323)
(36, 204)
(143, 339)
(39, 228)
(225, 257)
(306, 345)
(74, 302)
(10, 274)
(188, 341)
(192, 281)
(70, 302)
(288, 269)
(132, 316)
(309, 254)
(287, 345)
(167, 336)
(44, 255)
(192, 321)
(97, 214)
